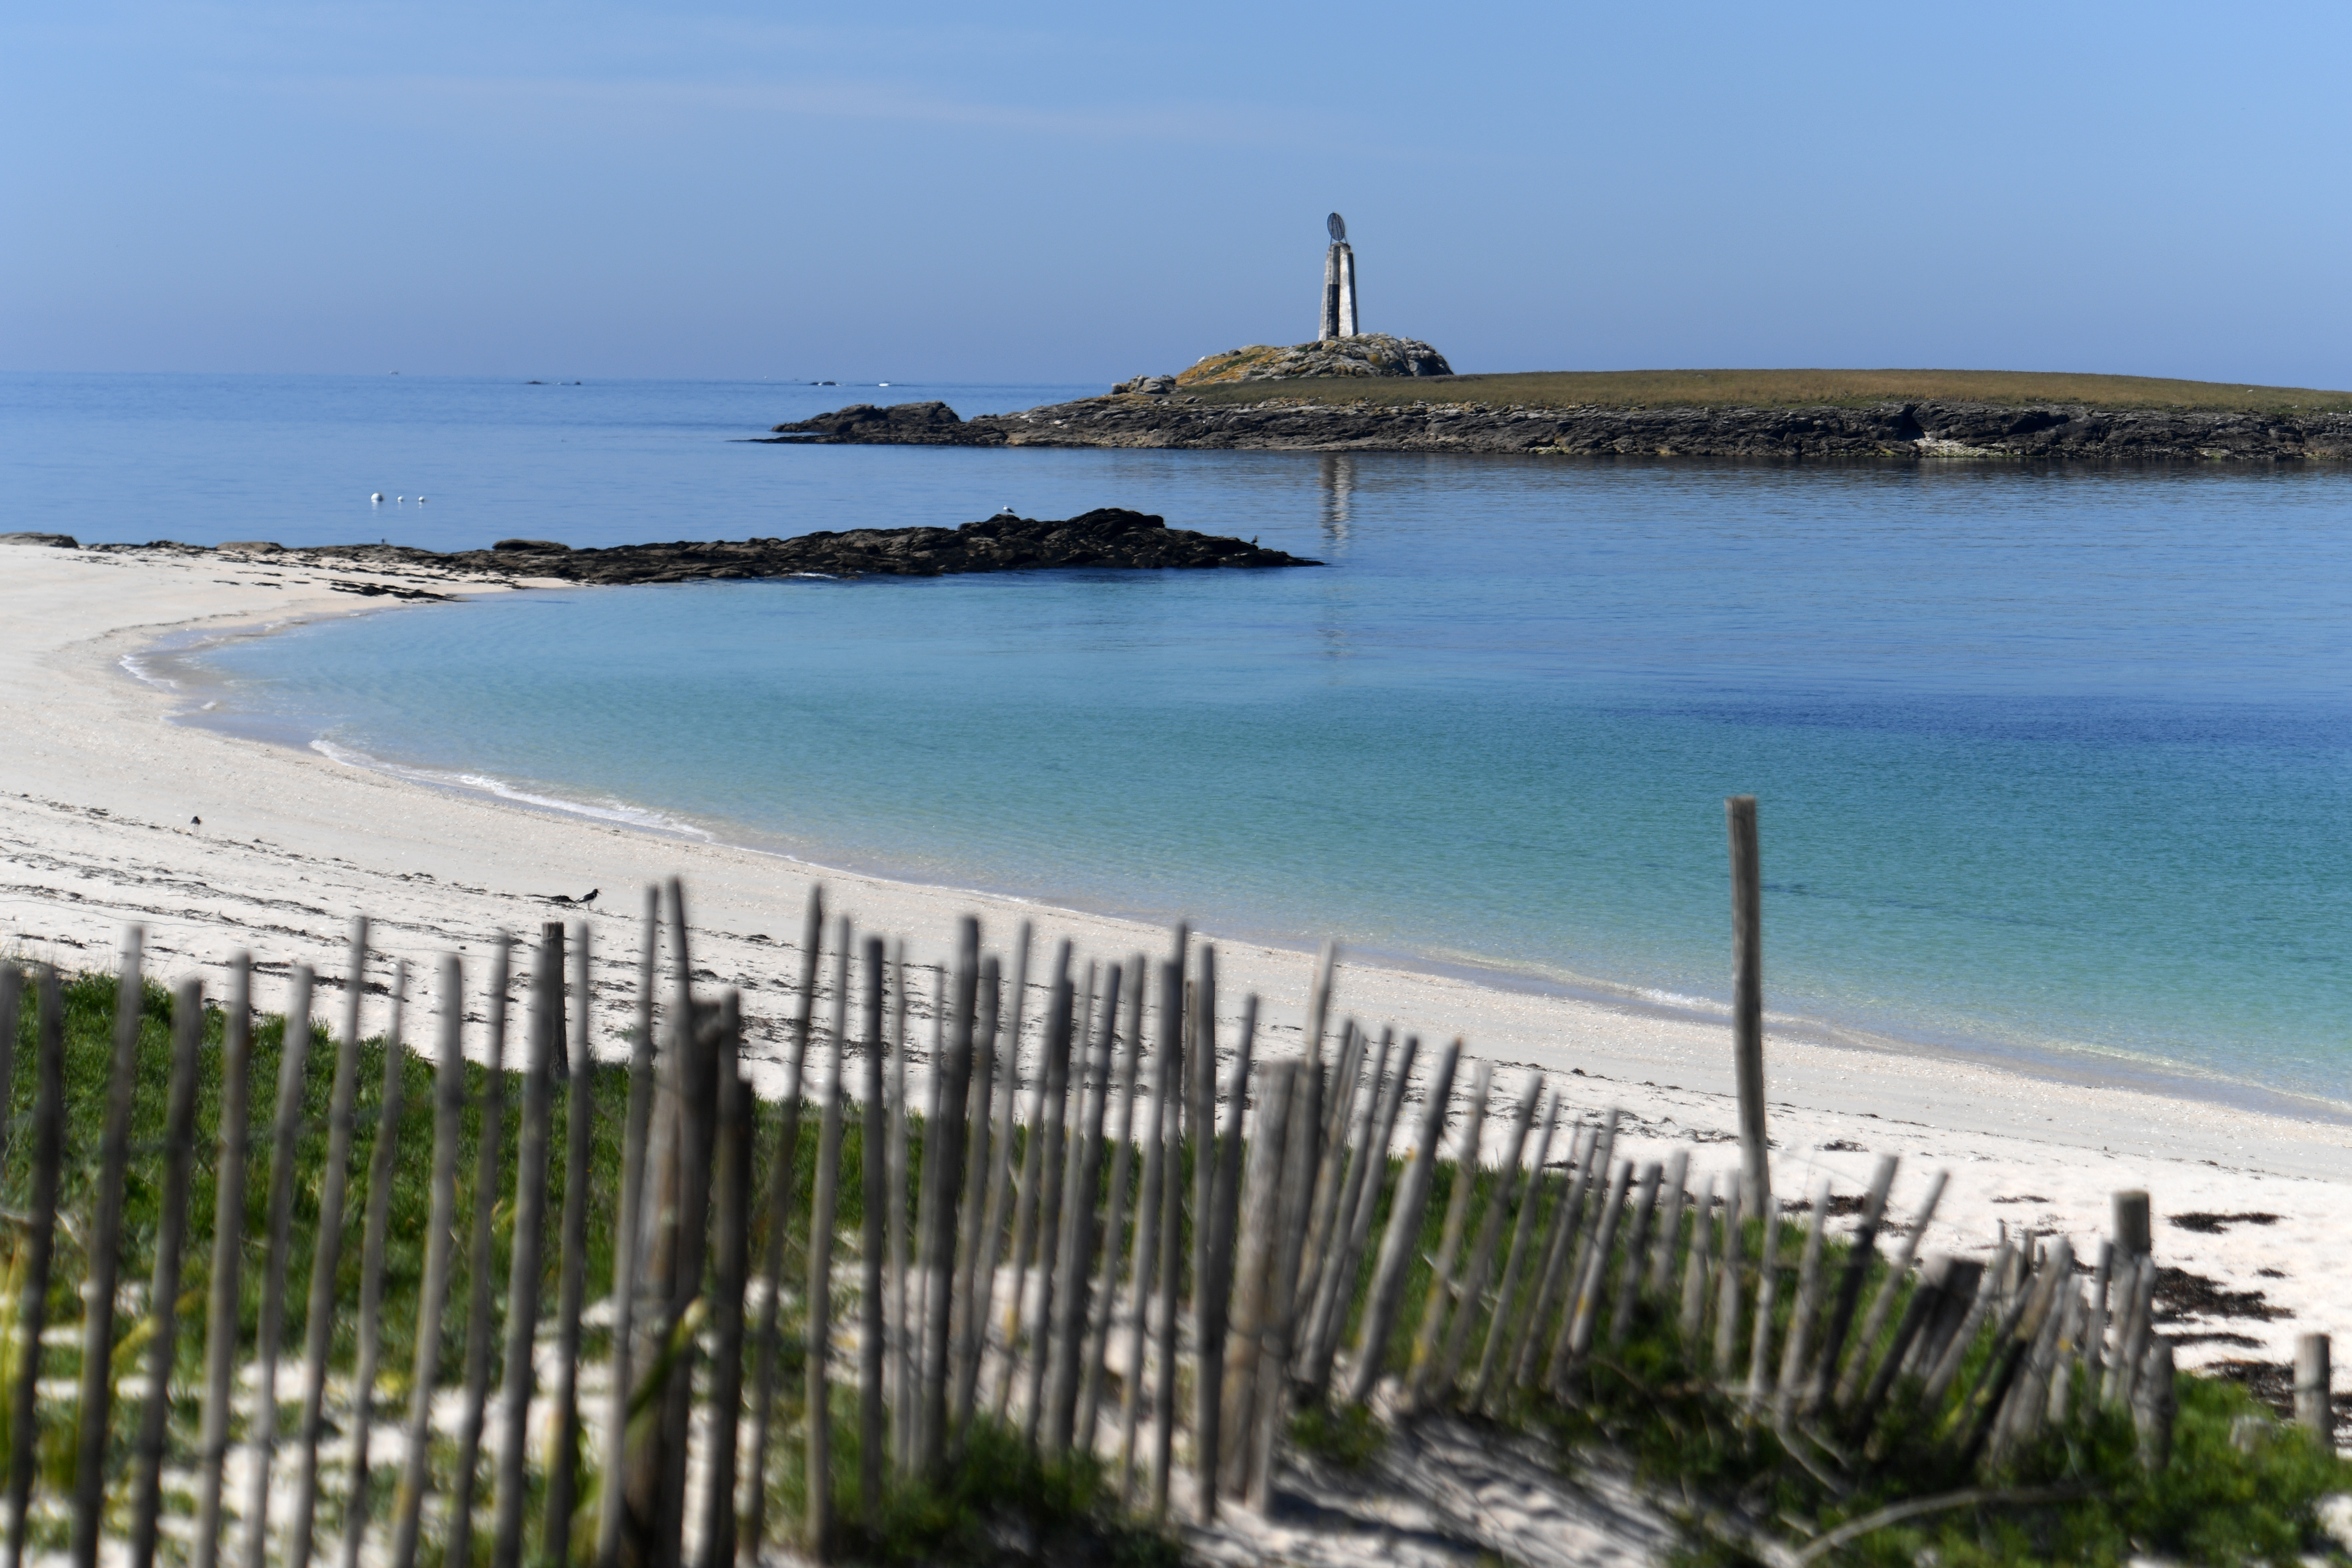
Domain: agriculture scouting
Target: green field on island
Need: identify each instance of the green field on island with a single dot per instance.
(1793, 389)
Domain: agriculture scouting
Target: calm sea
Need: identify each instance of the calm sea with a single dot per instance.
(2054, 764)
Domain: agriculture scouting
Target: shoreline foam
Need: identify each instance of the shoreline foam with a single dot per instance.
(95, 831)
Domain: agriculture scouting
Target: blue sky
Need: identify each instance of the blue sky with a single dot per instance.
(1087, 192)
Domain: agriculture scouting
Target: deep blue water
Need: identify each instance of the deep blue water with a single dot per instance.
(2049, 760)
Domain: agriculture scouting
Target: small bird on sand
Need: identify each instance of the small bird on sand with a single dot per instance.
(195, 822)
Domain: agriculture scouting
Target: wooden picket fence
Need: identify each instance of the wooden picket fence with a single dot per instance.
(1105, 1228)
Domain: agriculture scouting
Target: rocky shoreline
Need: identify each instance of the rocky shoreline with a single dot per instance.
(1910, 432)
(1108, 538)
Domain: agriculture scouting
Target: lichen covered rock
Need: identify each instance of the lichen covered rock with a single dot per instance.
(1365, 354)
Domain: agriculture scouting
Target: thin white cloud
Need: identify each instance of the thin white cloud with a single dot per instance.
(504, 96)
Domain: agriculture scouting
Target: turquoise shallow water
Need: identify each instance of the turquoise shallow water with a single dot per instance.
(2052, 763)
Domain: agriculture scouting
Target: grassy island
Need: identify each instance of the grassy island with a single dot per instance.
(1789, 389)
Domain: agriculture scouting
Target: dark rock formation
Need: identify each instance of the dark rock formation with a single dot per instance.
(1932, 430)
(907, 425)
(1111, 537)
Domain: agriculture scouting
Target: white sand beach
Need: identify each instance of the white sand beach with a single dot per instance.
(98, 794)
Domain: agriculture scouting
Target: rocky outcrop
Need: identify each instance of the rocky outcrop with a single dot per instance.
(1364, 355)
(1925, 431)
(903, 424)
(1109, 537)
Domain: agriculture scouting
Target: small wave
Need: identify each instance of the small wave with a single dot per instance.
(1658, 998)
(485, 784)
(136, 664)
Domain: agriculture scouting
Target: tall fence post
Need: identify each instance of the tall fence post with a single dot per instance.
(1747, 998)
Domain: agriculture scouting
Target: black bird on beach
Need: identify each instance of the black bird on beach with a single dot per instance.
(587, 898)
(195, 822)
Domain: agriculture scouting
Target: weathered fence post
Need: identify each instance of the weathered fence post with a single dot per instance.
(970, 1318)
(164, 1295)
(825, 1184)
(1523, 1236)
(2134, 1236)
(1260, 1241)
(579, 1135)
(2153, 1405)
(614, 1526)
(12, 1004)
(1213, 1291)
(440, 1241)
(1078, 1227)
(327, 1257)
(377, 1219)
(1727, 1285)
(1401, 1239)
(874, 1192)
(1796, 1352)
(730, 1224)
(1747, 998)
(1145, 1253)
(525, 1261)
(943, 1175)
(482, 1261)
(1767, 1287)
(1043, 1212)
(1294, 1195)
(1473, 1293)
(2315, 1388)
(228, 1243)
(1367, 1168)
(1203, 1037)
(752, 1531)
(1122, 1166)
(95, 1408)
(40, 1251)
(293, 1066)
(1637, 1241)
(1443, 1285)
(1592, 1155)
(1882, 1304)
(1864, 1248)
(1000, 1172)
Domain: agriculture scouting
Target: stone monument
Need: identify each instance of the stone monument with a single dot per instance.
(1338, 283)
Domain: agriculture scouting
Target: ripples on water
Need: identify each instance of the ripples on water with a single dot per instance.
(2049, 760)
